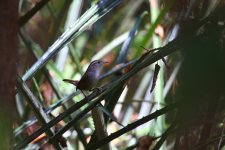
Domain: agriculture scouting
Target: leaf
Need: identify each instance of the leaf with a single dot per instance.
(108, 113)
(164, 61)
(143, 56)
(155, 76)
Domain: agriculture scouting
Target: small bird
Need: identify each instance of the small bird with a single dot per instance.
(90, 78)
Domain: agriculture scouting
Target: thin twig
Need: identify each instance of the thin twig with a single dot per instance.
(36, 107)
(132, 126)
(88, 18)
(142, 63)
(24, 19)
(56, 120)
(117, 69)
(140, 101)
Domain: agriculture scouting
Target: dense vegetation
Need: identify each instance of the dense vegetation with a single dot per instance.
(163, 88)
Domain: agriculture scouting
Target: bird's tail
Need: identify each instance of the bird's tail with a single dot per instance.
(74, 82)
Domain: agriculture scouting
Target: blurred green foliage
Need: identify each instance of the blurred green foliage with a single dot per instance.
(63, 38)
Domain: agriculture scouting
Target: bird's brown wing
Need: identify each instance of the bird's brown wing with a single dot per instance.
(86, 83)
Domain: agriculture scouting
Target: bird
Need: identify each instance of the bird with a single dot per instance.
(90, 78)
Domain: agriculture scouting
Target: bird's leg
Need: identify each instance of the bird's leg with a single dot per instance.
(83, 93)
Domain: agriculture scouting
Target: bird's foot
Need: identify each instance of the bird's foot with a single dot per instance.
(96, 89)
(83, 94)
